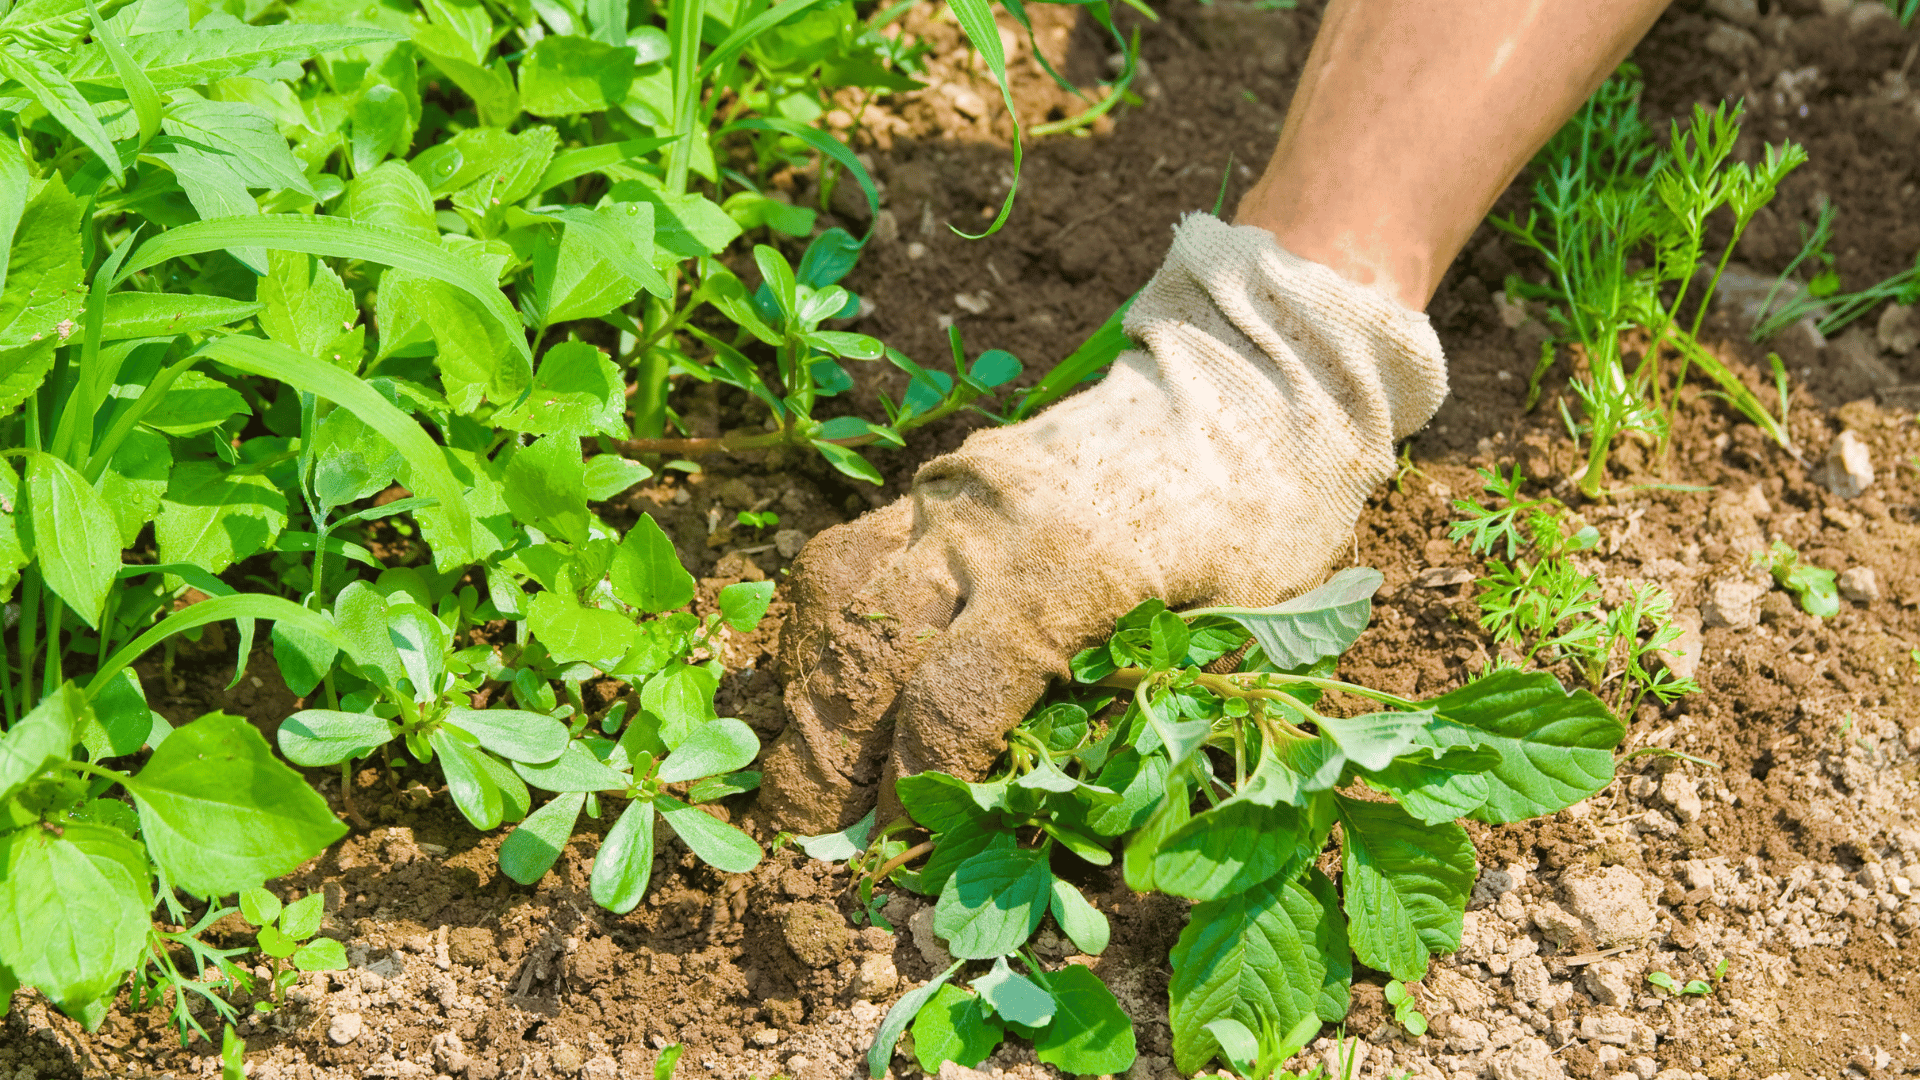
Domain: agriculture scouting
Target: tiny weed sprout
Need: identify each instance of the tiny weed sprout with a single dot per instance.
(1535, 599)
(1621, 227)
(1815, 587)
(286, 932)
(1406, 1008)
(1223, 788)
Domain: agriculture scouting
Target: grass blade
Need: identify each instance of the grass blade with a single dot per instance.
(244, 606)
(63, 101)
(140, 91)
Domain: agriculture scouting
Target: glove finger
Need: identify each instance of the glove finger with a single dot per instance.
(972, 688)
(841, 684)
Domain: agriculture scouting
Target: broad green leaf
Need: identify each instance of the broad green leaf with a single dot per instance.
(1314, 625)
(1250, 957)
(880, 1054)
(515, 734)
(679, 700)
(214, 516)
(954, 1026)
(608, 475)
(258, 906)
(491, 89)
(392, 197)
(1406, 886)
(577, 390)
(361, 614)
(1138, 862)
(43, 736)
(515, 799)
(572, 164)
(994, 903)
(1090, 1034)
(120, 719)
(686, 226)
(718, 746)
(469, 782)
(276, 944)
(72, 534)
(720, 846)
(511, 176)
(624, 860)
(848, 462)
(1330, 939)
(351, 460)
(1085, 926)
(1555, 748)
(13, 553)
(306, 307)
(567, 76)
(1431, 789)
(941, 803)
(1231, 848)
(73, 910)
(473, 352)
(14, 187)
(1168, 637)
(646, 571)
(428, 473)
(533, 846)
(193, 405)
(63, 101)
(1239, 1046)
(219, 814)
(177, 58)
(381, 126)
(744, 603)
(546, 487)
(317, 738)
(241, 136)
(44, 292)
(573, 633)
(958, 845)
(301, 919)
(576, 769)
(620, 233)
(320, 954)
(1140, 782)
(141, 315)
(1372, 741)
(337, 238)
(1014, 997)
(422, 642)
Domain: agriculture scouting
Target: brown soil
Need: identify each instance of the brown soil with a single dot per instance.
(1793, 859)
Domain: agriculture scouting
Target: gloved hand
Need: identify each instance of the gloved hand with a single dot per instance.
(1225, 463)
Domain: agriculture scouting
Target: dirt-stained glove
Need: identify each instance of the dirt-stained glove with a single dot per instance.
(1225, 463)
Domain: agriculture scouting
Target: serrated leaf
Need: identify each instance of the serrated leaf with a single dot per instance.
(1406, 886)
(43, 289)
(646, 570)
(43, 736)
(305, 305)
(577, 390)
(567, 76)
(219, 814)
(1555, 748)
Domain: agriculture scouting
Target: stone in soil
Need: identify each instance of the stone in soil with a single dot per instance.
(1732, 603)
(1849, 466)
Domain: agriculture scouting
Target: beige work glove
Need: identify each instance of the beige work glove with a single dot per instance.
(1225, 463)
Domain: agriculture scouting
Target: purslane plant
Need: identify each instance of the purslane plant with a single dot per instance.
(1225, 788)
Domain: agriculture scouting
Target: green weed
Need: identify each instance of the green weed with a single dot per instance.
(1222, 789)
(1814, 586)
(1620, 226)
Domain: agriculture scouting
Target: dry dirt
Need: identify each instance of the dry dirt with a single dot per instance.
(1792, 857)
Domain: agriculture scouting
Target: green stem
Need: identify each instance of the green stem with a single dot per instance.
(120, 778)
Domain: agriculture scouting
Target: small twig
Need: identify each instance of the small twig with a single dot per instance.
(901, 860)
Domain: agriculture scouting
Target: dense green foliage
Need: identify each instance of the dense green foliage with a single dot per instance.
(270, 264)
(1226, 789)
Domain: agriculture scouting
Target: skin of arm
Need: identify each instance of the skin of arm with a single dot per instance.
(1412, 117)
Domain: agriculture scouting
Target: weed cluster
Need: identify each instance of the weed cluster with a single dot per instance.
(1224, 789)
